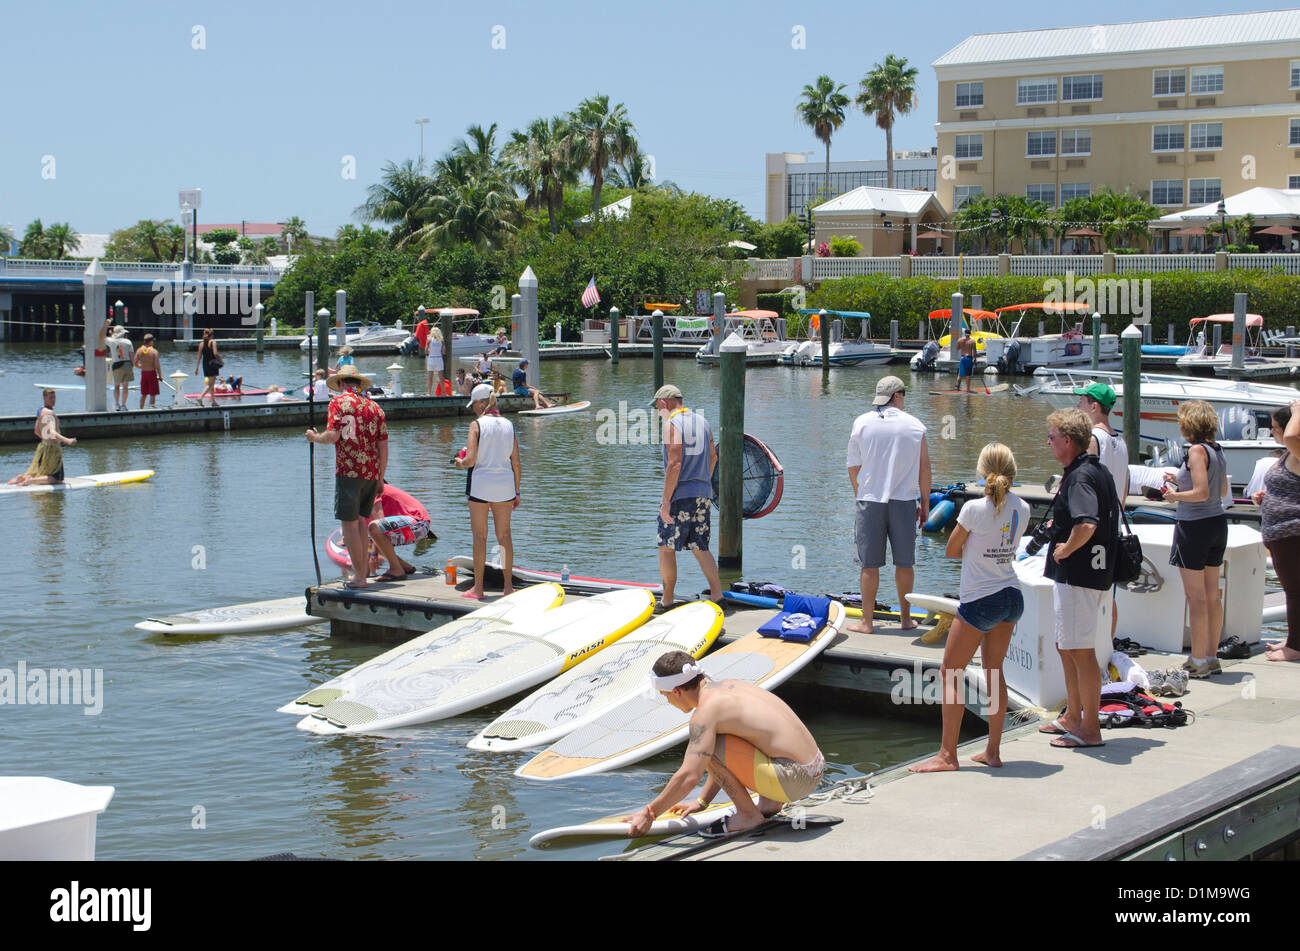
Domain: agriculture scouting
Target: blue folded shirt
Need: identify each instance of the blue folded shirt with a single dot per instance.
(799, 620)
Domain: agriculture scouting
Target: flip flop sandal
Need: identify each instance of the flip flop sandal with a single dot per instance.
(1053, 728)
(389, 576)
(1074, 743)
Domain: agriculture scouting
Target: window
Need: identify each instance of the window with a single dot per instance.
(1075, 190)
(1167, 138)
(1295, 74)
(1043, 193)
(1040, 143)
(970, 95)
(1293, 181)
(1076, 88)
(1076, 141)
(964, 193)
(969, 146)
(1040, 246)
(1168, 192)
(1206, 135)
(1206, 79)
(1032, 91)
(1203, 191)
(1169, 82)
(1295, 132)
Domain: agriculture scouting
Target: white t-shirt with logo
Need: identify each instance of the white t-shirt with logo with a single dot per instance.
(1112, 450)
(987, 558)
(887, 447)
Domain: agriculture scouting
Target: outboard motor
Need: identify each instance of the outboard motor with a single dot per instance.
(1010, 359)
(409, 346)
(924, 360)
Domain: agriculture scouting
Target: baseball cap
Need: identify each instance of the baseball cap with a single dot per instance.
(1100, 392)
(480, 392)
(666, 392)
(886, 388)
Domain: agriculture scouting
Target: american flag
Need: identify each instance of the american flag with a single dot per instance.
(591, 296)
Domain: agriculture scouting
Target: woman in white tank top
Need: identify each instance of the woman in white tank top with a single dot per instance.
(491, 455)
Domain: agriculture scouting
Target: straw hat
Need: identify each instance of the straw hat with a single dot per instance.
(338, 379)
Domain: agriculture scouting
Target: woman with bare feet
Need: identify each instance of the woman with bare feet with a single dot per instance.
(491, 455)
(985, 539)
(1280, 517)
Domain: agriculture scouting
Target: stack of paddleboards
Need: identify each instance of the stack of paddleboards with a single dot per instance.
(465, 567)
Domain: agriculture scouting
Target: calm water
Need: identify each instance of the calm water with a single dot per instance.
(189, 734)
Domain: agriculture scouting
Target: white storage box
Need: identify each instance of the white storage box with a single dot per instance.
(46, 819)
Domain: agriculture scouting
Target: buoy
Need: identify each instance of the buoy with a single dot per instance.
(940, 516)
(936, 498)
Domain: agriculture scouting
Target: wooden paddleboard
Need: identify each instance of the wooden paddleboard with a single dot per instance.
(82, 482)
(558, 410)
(614, 827)
(235, 618)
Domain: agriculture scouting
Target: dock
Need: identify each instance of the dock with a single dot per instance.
(166, 421)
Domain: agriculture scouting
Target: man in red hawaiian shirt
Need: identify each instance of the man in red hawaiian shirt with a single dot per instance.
(360, 435)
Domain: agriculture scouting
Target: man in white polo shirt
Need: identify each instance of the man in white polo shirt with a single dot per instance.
(888, 463)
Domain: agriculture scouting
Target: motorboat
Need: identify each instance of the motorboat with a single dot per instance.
(1202, 357)
(462, 345)
(756, 330)
(366, 335)
(1020, 351)
(843, 353)
(970, 321)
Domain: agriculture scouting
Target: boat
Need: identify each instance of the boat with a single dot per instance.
(943, 360)
(1199, 357)
(363, 335)
(44, 819)
(843, 353)
(756, 330)
(1022, 352)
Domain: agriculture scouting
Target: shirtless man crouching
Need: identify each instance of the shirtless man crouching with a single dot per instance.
(745, 739)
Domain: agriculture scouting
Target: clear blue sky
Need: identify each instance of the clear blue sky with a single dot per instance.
(262, 118)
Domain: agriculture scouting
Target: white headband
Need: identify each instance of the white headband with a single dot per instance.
(673, 681)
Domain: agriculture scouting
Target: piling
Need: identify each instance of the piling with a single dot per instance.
(977, 302)
(260, 311)
(526, 342)
(731, 455)
(448, 330)
(309, 314)
(1131, 344)
(1096, 340)
(893, 334)
(1218, 339)
(954, 328)
(323, 339)
(94, 285)
(824, 329)
(657, 330)
(1290, 347)
(1171, 335)
(719, 319)
(341, 317)
(1146, 333)
(1238, 334)
(614, 317)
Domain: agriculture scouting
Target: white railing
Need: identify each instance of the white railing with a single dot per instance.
(826, 268)
(948, 267)
(1289, 263)
(1153, 263)
(770, 269)
(1052, 265)
(126, 270)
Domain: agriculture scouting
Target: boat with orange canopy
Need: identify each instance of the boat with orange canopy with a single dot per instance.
(1023, 351)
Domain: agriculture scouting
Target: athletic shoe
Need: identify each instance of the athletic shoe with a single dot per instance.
(1215, 666)
(1157, 681)
(1234, 648)
(1175, 682)
(1201, 672)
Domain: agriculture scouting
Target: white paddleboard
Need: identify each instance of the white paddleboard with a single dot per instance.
(408, 659)
(936, 604)
(235, 618)
(465, 566)
(581, 694)
(558, 410)
(644, 725)
(74, 386)
(614, 826)
(458, 674)
(83, 482)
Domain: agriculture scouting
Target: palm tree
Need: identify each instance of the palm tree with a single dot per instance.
(62, 239)
(6, 238)
(481, 147)
(542, 163)
(822, 110)
(293, 229)
(480, 211)
(35, 243)
(602, 137)
(400, 198)
(1124, 216)
(887, 90)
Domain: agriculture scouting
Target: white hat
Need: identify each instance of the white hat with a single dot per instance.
(886, 387)
(481, 392)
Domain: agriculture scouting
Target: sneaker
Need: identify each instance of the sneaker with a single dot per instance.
(1200, 673)
(1175, 682)
(1215, 666)
(1188, 665)
(1234, 648)
(1157, 681)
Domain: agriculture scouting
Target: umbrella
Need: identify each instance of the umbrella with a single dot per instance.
(1193, 231)
(934, 234)
(1280, 230)
(1083, 233)
(743, 245)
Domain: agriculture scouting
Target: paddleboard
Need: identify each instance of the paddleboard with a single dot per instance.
(464, 673)
(465, 567)
(614, 826)
(558, 410)
(644, 725)
(74, 386)
(581, 694)
(976, 391)
(84, 482)
(935, 604)
(234, 618)
(228, 394)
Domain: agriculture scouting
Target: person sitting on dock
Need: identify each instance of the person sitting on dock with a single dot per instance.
(396, 518)
(522, 387)
(502, 344)
(686, 505)
(47, 463)
(499, 383)
(463, 386)
(746, 738)
(966, 365)
(886, 492)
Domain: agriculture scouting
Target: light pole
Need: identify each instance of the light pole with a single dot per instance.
(995, 216)
(1222, 212)
(422, 123)
(806, 219)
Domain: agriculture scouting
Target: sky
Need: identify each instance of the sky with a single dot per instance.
(285, 108)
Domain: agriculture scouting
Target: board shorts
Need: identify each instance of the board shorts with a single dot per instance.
(433, 361)
(1076, 610)
(402, 529)
(354, 498)
(895, 518)
(124, 373)
(988, 612)
(522, 391)
(1199, 543)
(782, 780)
(148, 383)
(688, 526)
(47, 461)
(966, 366)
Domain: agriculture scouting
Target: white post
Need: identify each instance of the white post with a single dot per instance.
(558, 338)
(95, 290)
(341, 316)
(954, 328)
(527, 345)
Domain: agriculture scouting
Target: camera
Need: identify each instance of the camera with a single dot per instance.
(1042, 535)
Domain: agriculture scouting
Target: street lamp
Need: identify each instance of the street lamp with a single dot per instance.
(806, 219)
(1222, 212)
(995, 216)
(421, 123)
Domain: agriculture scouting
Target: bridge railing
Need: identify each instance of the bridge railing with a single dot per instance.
(137, 270)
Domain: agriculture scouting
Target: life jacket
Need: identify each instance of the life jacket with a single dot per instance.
(1137, 708)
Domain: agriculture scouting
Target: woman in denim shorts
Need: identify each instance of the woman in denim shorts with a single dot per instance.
(985, 538)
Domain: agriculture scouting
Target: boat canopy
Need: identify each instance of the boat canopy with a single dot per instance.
(1252, 320)
(1063, 307)
(455, 311)
(753, 315)
(946, 314)
(858, 314)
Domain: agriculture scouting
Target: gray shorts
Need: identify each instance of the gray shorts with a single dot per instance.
(875, 520)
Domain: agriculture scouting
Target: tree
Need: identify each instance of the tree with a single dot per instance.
(148, 240)
(780, 239)
(602, 136)
(400, 198)
(293, 231)
(542, 162)
(35, 242)
(480, 148)
(822, 110)
(62, 239)
(6, 238)
(889, 89)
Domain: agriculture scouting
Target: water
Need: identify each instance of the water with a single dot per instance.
(204, 766)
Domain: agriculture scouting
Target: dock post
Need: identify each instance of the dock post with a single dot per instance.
(94, 285)
(824, 328)
(1290, 347)
(731, 455)
(341, 316)
(527, 346)
(977, 302)
(954, 329)
(719, 319)
(322, 339)
(1238, 333)
(657, 336)
(1096, 340)
(260, 311)
(309, 313)
(448, 332)
(614, 318)
(1146, 333)
(1218, 339)
(893, 334)
(1042, 328)
(1171, 335)
(1131, 344)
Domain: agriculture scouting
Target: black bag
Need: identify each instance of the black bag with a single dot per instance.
(1128, 550)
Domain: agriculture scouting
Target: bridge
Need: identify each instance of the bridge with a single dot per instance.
(42, 300)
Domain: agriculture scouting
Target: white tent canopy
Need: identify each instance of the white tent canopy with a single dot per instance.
(1266, 204)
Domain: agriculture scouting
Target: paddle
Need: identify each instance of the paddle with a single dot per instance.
(311, 459)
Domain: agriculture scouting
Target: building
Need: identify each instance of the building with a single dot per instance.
(1180, 112)
(885, 221)
(793, 181)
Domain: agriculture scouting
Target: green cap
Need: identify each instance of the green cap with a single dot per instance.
(1100, 392)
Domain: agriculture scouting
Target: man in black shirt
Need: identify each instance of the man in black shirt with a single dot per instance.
(1080, 561)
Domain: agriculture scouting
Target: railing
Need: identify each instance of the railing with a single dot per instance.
(1129, 263)
(1051, 265)
(1289, 263)
(126, 270)
(947, 267)
(826, 268)
(770, 269)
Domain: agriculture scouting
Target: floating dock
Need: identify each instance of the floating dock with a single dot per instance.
(1039, 499)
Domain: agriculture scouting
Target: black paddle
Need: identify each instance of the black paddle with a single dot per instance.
(311, 459)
